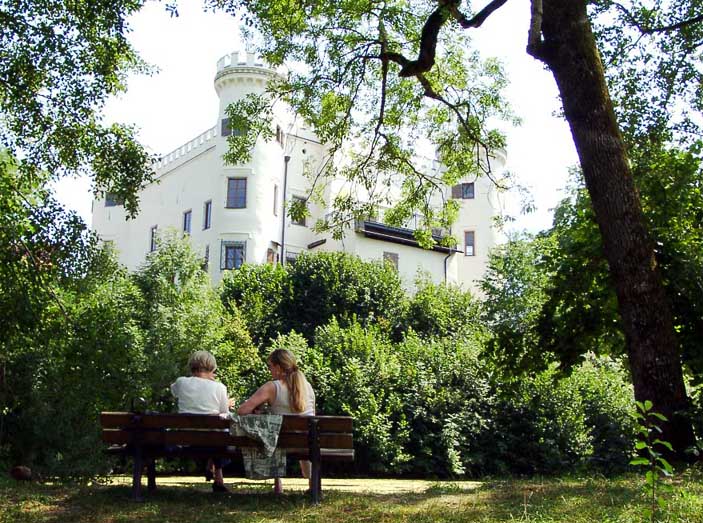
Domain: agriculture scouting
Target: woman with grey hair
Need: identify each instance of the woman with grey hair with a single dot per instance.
(200, 393)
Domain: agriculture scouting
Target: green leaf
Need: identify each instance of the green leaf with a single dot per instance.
(639, 461)
(659, 416)
(667, 466)
(664, 444)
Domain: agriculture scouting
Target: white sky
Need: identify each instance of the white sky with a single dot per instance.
(179, 102)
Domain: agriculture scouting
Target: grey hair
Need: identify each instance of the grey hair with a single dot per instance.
(202, 361)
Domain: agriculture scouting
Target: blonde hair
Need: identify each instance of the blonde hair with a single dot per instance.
(295, 379)
(202, 361)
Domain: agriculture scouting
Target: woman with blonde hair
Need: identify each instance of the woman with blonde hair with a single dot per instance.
(288, 393)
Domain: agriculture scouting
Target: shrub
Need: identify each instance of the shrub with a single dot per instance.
(448, 401)
(342, 286)
(355, 372)
(258, 290)
(440, 311)
(608, 400)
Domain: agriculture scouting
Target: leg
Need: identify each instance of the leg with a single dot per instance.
(305, 467)
(151, 474)
(137, 474)
(315, 458)
(277, 486)
(218, 484)
(209, 470)
(218, 477)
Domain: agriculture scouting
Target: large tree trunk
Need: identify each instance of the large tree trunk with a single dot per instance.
(569, 49)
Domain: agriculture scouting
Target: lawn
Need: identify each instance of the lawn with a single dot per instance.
(187, 499)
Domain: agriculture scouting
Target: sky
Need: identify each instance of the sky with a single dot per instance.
(178, 102)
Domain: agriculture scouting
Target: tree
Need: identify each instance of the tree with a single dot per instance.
(578, 313)
(515, 287)
(355, 80)
(562, 38)
(179, 313)
(59, 63)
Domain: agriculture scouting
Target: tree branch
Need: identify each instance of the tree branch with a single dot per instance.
(430, 31)
(428, 44)
(478, 18)
(534, 36)
(661, 29)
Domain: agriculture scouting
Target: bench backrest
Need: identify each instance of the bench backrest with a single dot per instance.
(333, 432)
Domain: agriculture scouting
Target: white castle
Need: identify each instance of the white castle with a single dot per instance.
(235, 214)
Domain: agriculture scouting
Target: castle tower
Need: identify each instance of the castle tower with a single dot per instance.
(252, 197)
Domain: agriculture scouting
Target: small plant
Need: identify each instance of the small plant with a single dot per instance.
(650, 457)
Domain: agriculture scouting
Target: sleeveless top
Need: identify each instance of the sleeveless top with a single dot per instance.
(282, 403)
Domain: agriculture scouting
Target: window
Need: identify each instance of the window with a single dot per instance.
(236, 193)
(279, 135)
(206, 259)
(299, 201)
(270, 256)
(152, 238)
(233, 255)
(392, 258)
(463, 191)
(226, 129)
(207, 214)
(469, 243)
(275, 200)
(291, 258)
(187, 219)
(111, 200)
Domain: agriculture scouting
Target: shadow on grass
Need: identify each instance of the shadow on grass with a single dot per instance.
(550, 501)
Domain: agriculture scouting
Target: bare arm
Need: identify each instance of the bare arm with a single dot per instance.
(266, 393)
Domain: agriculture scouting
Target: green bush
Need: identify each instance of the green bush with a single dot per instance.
(539, 427)
(608, 399)
(85, 356)
(355, 372)
(257, 291)
(342, 286)
(448, 401)
(440, 311)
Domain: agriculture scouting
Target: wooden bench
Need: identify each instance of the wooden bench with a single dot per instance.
(145, 437)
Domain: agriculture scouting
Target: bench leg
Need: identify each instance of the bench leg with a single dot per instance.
(315, 483)
(151, 474)
(137, 475)
(315, 458)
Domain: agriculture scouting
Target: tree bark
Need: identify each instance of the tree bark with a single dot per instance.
(568, 48)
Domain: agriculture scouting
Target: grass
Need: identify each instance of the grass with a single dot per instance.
(186, 500)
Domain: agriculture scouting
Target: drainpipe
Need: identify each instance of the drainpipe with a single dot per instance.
(286, 159)
(445, 266)
(446, 258)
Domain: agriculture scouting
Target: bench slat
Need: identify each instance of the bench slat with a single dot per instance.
(228, 452)
(291, 423)
(216, 439)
